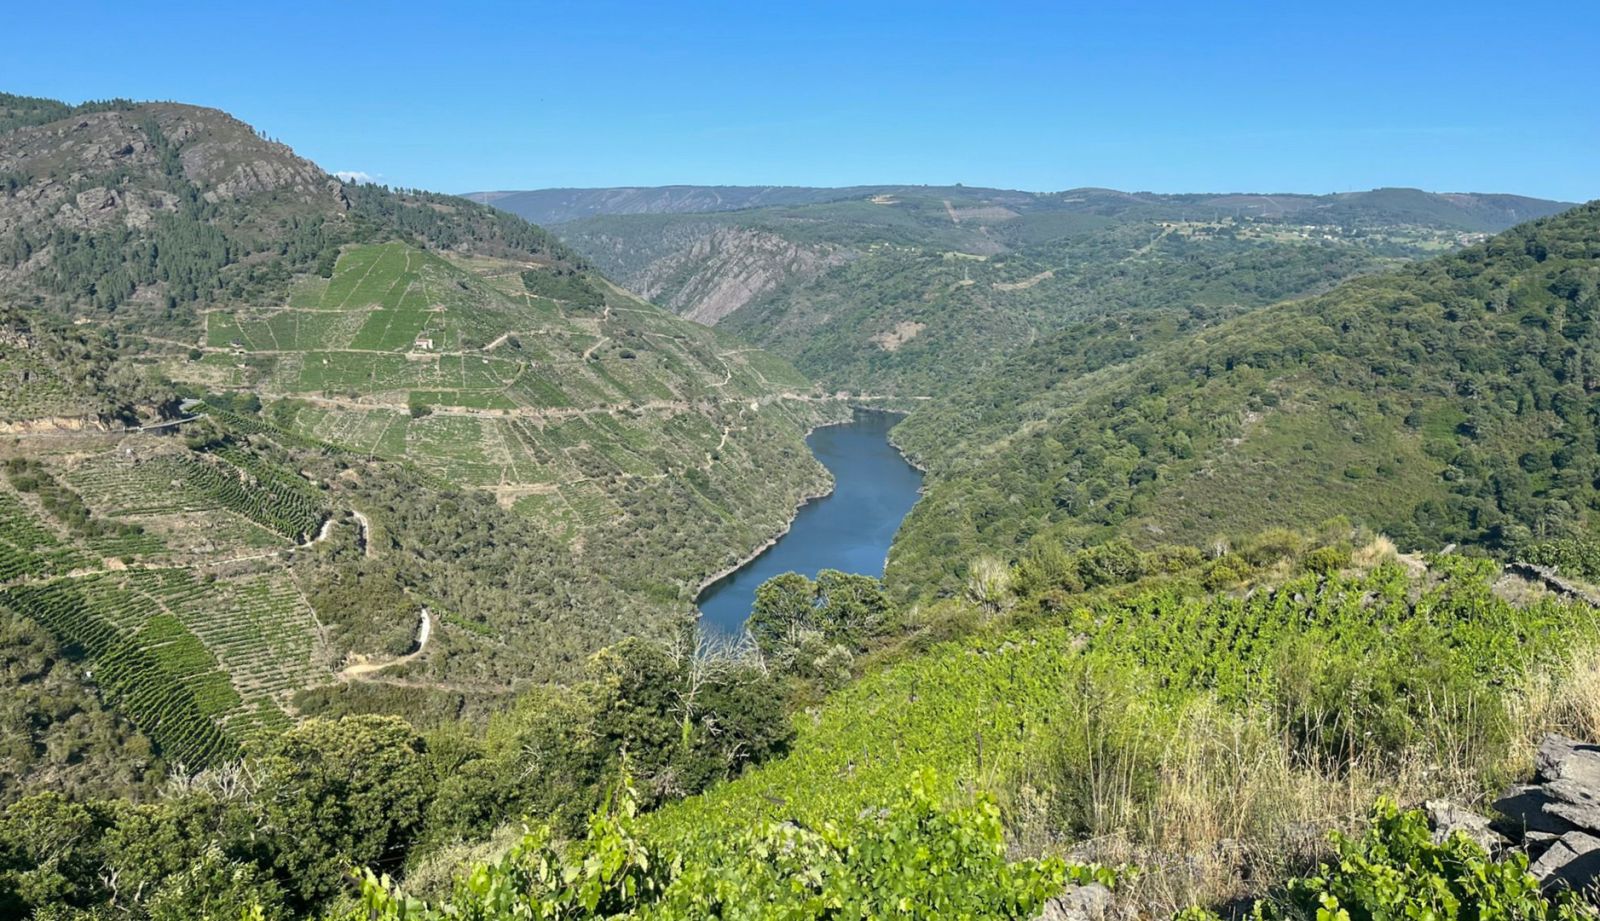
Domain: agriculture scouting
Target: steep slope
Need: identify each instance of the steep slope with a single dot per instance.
(280, 444)
(131, 214)
(907, 290)
(1450, 401)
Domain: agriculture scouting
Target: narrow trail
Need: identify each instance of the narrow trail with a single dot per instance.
(1145, 249)
(365, 537)
(361, 669)
(322, 534)
(103, 433)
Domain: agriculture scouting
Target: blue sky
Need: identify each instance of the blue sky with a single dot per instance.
(1176, 96)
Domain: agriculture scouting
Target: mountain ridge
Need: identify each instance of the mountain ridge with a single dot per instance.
(1456, 383)
(566, 204)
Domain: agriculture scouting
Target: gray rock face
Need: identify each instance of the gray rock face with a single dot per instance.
(1447, 819)
(1573, 861)
(1562, 759)
(1078, 903)
(1523, 809)
(1556, 819)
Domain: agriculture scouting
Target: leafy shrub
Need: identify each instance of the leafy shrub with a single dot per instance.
(1326, 560)
(795, 621)
(918, 858)
(1395, 870)
(1578, 556)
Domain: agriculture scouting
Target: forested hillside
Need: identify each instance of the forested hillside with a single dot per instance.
(905, 291)
(1446, 402)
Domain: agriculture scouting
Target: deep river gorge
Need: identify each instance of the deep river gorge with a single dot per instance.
(849, 529)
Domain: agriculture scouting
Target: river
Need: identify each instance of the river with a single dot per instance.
(849, 529)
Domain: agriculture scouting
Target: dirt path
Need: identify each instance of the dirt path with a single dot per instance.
(361, 669)
(365, 537)
(1026, 283)
(1153, 241)
(322, 533)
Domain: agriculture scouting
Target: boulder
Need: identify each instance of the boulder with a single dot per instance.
(1575, 803)
(1573, 862)
(1523, 808)
(1078, 903)
(1446, 819)
(1563, 759)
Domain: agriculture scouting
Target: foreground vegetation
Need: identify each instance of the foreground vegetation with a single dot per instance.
(1198, 718)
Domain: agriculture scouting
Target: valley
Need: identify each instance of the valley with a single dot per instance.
(842, 281)
(758, 551)
(850, 528)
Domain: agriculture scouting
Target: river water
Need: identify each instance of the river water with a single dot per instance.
(849, 529)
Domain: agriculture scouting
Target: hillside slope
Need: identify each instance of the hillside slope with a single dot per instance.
(281, 444)
(906, 290)
(1449, 401)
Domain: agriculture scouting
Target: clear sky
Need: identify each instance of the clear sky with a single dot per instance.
(1162, 96)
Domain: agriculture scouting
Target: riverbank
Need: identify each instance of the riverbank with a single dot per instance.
(805, 500)
(847, 525)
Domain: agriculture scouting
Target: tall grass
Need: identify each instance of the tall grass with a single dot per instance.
(1217, 804)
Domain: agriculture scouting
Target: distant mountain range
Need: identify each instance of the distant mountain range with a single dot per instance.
(1464, 211)
(907, 290)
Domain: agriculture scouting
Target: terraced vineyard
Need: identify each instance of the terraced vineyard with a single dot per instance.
(180, 482)
(144, 661)
(648, 447)
(405, 354)
(198, 667)
(571, 401)
(199, 663)
(27, 548)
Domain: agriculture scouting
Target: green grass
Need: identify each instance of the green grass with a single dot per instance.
(980, 710)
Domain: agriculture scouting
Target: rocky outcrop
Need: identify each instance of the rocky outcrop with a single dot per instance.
(104, 172)
(1448, 819)
(727, 268)
(1079, 903)
(1554, 581)
(1556, 818)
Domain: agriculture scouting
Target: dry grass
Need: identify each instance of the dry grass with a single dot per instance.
(1233, 809)
(1566, 700)
(1376, 551)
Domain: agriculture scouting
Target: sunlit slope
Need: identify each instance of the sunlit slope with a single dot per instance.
(160, 572)
(1154, 657)
(1450, 401)
(567, 398)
